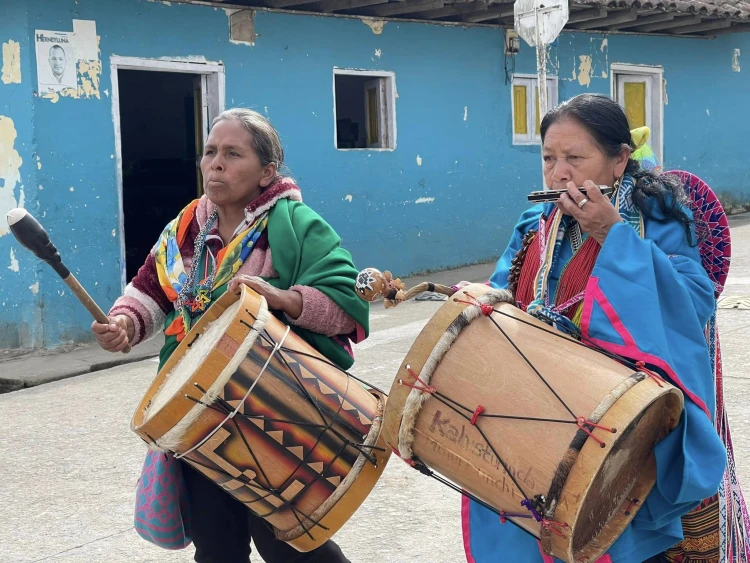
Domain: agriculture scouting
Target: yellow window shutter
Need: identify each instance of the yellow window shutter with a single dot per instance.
(635, 103)
(520, 110)
(374, 122)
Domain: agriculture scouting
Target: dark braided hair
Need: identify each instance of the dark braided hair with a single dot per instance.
(607, 123)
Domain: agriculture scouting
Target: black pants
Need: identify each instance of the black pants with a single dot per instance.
(222, 528)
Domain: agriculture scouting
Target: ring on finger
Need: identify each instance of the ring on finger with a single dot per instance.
(582, 203)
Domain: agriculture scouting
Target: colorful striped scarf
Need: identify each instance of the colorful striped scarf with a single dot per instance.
(171, 269)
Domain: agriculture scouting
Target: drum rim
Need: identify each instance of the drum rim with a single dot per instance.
(592, 456)
(178, 406)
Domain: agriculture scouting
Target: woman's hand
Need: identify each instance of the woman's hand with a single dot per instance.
(596, 215)
(288, 301)
(114, 336)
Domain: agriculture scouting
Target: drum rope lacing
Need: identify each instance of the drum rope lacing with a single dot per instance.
(234, 412)
(306, 522)
(535, 505)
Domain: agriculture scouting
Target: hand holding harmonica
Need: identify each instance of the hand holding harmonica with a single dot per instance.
(596, 215)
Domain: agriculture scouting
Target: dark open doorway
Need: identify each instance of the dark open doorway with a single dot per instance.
(161, 135)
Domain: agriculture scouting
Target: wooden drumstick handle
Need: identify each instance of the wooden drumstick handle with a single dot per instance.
(30, 233)
(372, 285)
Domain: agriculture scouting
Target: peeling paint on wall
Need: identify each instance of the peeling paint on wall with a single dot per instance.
(419, 160)
(736, 61)
(241, 27)
(13, 262)
(10, 171)
(466, 113)
(89, 72)
(348, 198)
(34, 288)
(425, 200)
(584, 71)
(375, 25)
(11, 62)
(595, 65)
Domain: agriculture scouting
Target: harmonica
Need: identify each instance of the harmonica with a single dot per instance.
(546, 196)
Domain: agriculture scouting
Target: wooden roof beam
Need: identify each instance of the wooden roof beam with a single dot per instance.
(399, 8)
(676, 22)
(613, 18)
(655, 18)
(586, 15)
(328, 6)
(738, 28)
(283, 4)
(454, 10)
(489, 14)
(704, 26)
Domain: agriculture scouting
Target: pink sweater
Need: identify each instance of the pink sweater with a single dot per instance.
(145, 303)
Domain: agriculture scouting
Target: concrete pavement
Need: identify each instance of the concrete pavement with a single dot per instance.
(70, 462)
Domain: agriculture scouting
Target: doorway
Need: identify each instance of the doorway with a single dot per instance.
(162, 117)
(159, 154)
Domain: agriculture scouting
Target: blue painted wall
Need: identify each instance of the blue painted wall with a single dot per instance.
(452, 111)
(21, 299)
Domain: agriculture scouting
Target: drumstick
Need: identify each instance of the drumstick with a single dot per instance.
(373, 284)
(30, 233)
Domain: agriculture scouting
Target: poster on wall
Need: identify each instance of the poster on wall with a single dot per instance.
(55, 61)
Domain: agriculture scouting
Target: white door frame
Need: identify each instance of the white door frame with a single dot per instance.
(213, 90)
(657, 91)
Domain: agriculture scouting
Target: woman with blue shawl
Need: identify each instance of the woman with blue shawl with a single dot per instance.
(622, 273)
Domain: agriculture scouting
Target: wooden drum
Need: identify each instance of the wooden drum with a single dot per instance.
(267, 418)
(556, 437)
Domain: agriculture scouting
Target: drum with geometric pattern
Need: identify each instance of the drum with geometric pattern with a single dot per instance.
(268, 419)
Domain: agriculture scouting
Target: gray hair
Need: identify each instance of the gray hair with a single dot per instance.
(265, 138)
